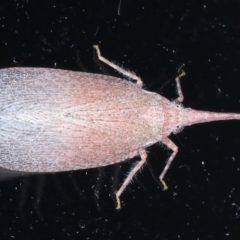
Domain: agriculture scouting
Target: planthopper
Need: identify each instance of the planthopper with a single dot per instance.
(54, 120)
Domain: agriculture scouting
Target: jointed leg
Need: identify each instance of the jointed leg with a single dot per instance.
(179, 89)
(115, 182)
(143, 156)
(174, 148)
(80, 63)
(98, 187)
(102, 66)
(119, 69)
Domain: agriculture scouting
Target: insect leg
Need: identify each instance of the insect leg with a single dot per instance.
(179, 89)
(119, 69)
(174, 148)
(143, 156)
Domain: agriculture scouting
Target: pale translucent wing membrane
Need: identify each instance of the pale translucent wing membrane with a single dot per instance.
(55, 120)
(6, 174)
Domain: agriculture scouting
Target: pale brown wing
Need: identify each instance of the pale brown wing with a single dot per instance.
(55, 120)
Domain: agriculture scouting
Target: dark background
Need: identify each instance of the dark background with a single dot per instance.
(154, 39)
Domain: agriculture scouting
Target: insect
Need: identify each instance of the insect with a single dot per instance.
(55, 120)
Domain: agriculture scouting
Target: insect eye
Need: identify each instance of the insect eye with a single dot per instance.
(178, 129)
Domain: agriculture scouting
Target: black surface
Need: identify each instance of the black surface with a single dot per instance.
(154, 39)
